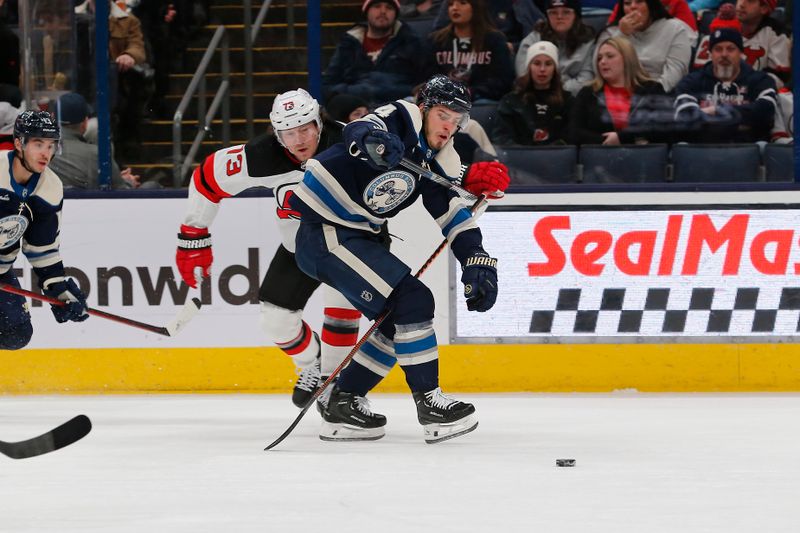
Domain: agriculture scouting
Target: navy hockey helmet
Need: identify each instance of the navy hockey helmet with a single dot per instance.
(37, 124)
(441, 90)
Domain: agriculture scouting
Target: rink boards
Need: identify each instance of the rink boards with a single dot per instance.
(599, 292)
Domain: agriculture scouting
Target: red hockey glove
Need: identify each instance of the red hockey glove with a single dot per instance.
(487, 177)
(194, 250)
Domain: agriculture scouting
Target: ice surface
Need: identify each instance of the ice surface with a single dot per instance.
(194, 463)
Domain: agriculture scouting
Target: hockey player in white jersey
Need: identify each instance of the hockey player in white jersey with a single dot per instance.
(276, 162)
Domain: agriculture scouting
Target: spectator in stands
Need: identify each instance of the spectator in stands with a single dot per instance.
(537, 111)
(8, 114)
(575, 40)
(470, 50)
(767, 44)
(678, 9)
(379, 60)
(418, 8)
(165, 24)
(77, 163)
(615, 108)
(345, 108)
(9, 53)
(126, 51)
(663, 44)
(727, 99)
(513, 18)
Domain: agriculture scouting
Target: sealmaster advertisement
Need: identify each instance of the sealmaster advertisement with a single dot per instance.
(660, 272)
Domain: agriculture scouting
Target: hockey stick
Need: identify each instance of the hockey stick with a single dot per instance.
(183, 317)
(378, 321)
(55, 439)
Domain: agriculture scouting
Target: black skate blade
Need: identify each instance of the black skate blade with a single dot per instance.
(55, 439)
(452, 435)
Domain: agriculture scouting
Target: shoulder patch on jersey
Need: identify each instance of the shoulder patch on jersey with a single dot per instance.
(50, 189)
(413, 112)
(12, 228)
(388, 190)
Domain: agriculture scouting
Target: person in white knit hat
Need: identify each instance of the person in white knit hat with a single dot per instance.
(537, 110)
(574, 39)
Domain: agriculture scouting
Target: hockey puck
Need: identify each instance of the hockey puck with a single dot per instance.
(565, 462)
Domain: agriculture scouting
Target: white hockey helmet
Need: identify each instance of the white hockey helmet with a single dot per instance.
(292, 109)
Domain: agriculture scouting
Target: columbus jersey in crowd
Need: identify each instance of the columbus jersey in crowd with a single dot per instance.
(262, 162)
(341, 188)
(30, 219)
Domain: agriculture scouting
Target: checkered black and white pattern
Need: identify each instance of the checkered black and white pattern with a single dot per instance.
(671, 311)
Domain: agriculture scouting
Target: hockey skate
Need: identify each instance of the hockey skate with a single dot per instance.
(443, 417)
(348, 417)
(325, 397)
(307, 383)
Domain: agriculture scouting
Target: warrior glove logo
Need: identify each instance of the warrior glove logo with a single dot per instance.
(388, 190)
(11, 230)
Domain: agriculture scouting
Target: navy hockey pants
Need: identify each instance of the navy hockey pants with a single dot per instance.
(15, 321)
(358, 265)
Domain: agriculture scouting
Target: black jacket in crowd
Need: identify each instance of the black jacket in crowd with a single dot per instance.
(392, 76)
(589, 116)
(530, 123)
(488, 73)
(745, 106)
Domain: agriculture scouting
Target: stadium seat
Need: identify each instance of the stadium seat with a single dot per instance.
(421, 26)
(645, 163)
(483, 114)
(540, 165)
(779, 162)
(715, 163)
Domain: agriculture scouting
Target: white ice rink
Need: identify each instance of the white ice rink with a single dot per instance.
(194, 463)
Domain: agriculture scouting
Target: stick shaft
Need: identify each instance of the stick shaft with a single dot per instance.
(95, 312)
(375, 325)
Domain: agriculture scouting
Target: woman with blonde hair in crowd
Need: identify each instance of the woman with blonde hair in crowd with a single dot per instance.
(662, 43)
(536, 112)
(605, 110)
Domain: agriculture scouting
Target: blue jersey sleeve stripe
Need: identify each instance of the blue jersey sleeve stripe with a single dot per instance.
(460, 217)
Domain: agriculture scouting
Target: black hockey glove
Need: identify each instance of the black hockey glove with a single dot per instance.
(384, 150)
(479, 277)
(75, 307)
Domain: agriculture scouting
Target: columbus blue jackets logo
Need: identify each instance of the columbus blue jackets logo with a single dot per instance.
(11, 229)
(388, 190)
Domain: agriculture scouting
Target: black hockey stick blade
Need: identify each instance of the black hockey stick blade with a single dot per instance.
(292, 426)
(55, 439)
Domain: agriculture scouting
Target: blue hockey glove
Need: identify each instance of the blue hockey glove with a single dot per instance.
(384, 150)
(75, 307)
(479, 277)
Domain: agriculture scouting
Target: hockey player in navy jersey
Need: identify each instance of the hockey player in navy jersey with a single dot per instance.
(31, 197)
(346, 195)
(276, 162)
